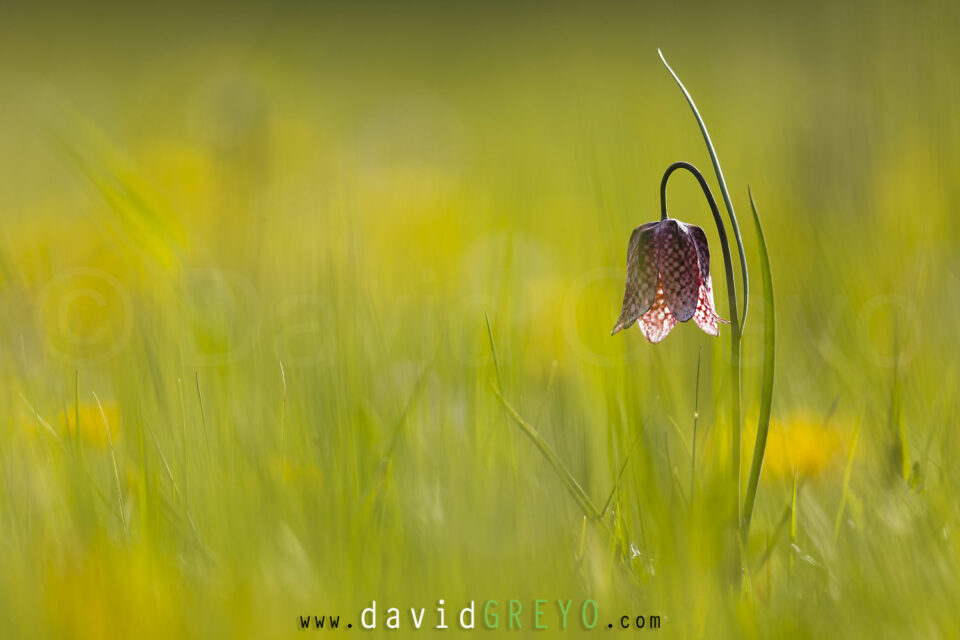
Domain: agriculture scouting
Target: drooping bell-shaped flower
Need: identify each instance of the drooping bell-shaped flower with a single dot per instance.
(668, 280)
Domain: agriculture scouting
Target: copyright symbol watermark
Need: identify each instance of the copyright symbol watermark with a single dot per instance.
(84, 315)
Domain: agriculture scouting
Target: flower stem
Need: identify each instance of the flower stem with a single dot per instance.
(736, 331)
(723, 188)
(736, 319)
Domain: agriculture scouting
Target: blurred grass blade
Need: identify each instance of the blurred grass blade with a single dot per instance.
(847, 472)
(203, 415)
(76, 411)
(140, 213)
(696, 416)
(623, 468)
(283, 412)
(766, 385)
(793, 520)
(901, 450)
(43, 423)
(113, 458)
(493, 350)
(677, 486)
(772, 542)
(166, 465)
(183, 432)
(568, 480)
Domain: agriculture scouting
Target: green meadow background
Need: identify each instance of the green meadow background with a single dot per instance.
(245, 372)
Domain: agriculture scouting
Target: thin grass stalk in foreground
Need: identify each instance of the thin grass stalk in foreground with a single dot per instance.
(75, 454)
(76, 412)
(203, 416)
(173, 483)
(847, 472)
(581, 497)
(573, 487)
(766, 386)
(772, 540)
(113, 458)
(496, 365)
(493, 350)
(568, 480)
(583, 500)
(737, 319)
(183, 432)
(42, 422)
(793, 520)
(623, 468)
(696, 416)
(283, 414)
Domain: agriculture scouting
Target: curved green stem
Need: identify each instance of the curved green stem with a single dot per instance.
(723, 189)
(737, 321)
(721, 231)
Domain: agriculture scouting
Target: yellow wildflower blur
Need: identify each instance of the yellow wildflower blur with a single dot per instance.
(113, 593)
(92, 430)
(804, 442)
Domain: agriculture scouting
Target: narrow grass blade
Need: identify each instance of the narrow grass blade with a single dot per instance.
(203, 416)
(772, 542)
(571, 484)
(623, 468)
(900, 451)
(847, 472)
(379, 479)
(777, 530)
(673, 472)
(183, 432)
(113, 458)
(696, 416)
(166, 465)
(583, 539)
(766, 384)
(176, 493)
(283, 413)
(793, 519)
(43, 423)
(111, 507)
(493, 350)
(76, 411)
(144, 488)
(496, 364)
(139, 211)
(398, 429)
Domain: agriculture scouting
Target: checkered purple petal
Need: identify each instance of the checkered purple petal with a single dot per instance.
(641, 284)
(679, 269)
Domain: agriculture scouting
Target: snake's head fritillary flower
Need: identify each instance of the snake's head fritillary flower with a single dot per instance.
(668, 280)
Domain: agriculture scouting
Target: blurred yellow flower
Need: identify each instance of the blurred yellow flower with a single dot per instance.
(111, 593)
(92, 430)
(804, 442)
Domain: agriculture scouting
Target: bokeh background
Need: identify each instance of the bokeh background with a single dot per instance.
(245, 257)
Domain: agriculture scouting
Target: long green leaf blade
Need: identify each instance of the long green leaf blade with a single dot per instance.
(766, 384)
